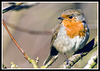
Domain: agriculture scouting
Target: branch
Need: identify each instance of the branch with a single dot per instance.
(14, 40)
(33, 62)
(30, 31)
(92, 62)
(25, 5)
(11, 7)
(80, 53)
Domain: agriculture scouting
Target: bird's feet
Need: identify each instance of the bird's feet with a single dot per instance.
(68, 62)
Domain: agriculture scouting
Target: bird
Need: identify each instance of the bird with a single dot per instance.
(71, 34)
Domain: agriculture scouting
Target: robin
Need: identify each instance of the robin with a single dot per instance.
(71, 34)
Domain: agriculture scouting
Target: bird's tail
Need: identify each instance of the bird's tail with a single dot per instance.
(50, 58)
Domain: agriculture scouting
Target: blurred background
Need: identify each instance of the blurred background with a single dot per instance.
(40, 17)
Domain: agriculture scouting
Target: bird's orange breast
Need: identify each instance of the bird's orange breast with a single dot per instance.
(74, 28)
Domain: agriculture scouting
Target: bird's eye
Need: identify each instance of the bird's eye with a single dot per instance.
(70, 17)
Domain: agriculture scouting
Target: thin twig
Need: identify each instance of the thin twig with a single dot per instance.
(33, 62)
(14, 40)
(49, 32)
(11, 7)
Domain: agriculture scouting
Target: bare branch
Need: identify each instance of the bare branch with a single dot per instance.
(49, 32)
(15, 41)
(92, 62)
(33, 62)
(11, 7)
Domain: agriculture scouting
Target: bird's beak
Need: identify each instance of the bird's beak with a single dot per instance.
(60, 18)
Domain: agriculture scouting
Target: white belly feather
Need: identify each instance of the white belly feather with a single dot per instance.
(67, 45)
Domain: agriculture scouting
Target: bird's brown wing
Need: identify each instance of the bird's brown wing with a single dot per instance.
(54, 36)
(53, 50)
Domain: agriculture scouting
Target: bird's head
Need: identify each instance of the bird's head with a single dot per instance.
(73, 19)
(72, 13)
